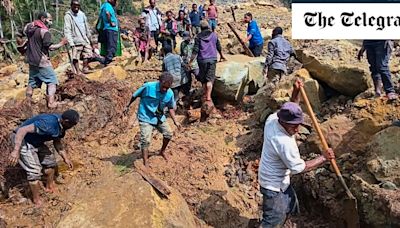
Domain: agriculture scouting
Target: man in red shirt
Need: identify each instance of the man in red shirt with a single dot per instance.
(212, 15)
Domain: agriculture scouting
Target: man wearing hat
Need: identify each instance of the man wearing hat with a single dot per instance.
(281, 158)
(33, 155)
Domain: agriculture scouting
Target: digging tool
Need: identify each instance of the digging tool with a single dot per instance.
(350, 204)
(233, 13)
(246, 49)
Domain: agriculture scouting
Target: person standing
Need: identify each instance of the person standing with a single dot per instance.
(279, 52)
(378, 55)
(172, 63)
(186, 53)
(280, 159)
(155, 97)
(37, 55)
(77, 32)
(195, 16)
(153, 21)
(212, 15)
(142, 36)
(169, 30)
(111, 30)
(206, 47)
(33, 155)
(183, 23)
(254, 37)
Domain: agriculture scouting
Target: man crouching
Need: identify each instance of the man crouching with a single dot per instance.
(33, 155)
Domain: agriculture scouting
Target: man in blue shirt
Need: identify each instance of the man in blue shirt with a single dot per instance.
(254, 36)
(195, 20)
(110, 23)
(155, 97)
(33, 155)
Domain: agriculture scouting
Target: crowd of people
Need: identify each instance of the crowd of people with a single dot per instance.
(197, 58)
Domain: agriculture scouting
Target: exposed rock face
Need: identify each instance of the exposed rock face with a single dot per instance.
(314, 90)
(384, 159)
(238, 76)
(107, 73)
(128, 201)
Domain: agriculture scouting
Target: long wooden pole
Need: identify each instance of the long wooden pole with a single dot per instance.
(246, 49)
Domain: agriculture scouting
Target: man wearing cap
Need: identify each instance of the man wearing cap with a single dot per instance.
(281, 158)
(33, 155)
(206, 47)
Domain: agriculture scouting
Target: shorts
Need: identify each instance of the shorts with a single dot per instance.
(257, 50)
(34, 159)
(146, 132)
(213, 23)
(277, 206)
(82, 52)
(40, 75)
(195, 30)
(207, 71)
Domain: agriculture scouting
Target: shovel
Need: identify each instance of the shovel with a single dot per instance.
(350, 204)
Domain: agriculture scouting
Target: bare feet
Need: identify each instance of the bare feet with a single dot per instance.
(52, 189)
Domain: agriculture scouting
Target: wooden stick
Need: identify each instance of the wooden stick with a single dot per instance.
(246, 49)
(154, 181)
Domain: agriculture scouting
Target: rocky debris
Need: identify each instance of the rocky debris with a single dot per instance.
(128, 201)
(8, 70)
(346, 76)
(383, 160)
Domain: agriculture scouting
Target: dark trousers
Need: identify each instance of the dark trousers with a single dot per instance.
(111, 44)
(277, 206)
(378, 58)
(256, 50)
(156, 37)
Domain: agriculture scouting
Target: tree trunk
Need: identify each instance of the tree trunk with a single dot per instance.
(12, 28)
(1, 29)
(57, 12)
(44, 5)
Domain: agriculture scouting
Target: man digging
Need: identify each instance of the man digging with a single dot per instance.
(33, 155)
(280, 158)
(155, 97)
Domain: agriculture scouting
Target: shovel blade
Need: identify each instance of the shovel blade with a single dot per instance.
(351, 213)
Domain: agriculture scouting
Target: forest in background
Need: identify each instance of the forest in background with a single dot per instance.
(15, 14)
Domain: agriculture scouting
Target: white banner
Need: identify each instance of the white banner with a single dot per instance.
(346, 21)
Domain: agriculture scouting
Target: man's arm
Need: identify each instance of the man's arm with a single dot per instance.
(68, 30)
(173, 117)
(88, 32)
(195, 50)
(61, 151)
(219, 48)
(19, 136)
(135, 95)
(270, 55)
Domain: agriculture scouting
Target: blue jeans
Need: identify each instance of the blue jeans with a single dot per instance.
(378, 58)
(213, 23)
(277, 206)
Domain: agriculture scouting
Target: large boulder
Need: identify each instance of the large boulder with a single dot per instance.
(107, 73)
(384, 156)
(335, 64)
(344, 135)
(128, 201)
(314, 90)
(238, 76)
